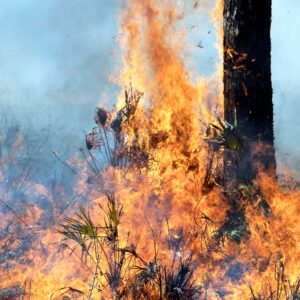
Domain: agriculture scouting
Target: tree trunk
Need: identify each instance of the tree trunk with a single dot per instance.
(247, 85)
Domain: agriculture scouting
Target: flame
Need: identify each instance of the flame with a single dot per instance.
(168, 198)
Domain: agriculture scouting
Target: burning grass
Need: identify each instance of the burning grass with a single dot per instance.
(183, 261)
(119, 271)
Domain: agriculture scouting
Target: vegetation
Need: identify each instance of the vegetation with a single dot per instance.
(118, 268)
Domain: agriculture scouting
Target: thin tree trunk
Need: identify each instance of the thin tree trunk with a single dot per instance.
(247, 84)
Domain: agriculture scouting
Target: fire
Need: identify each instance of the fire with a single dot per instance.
(162, 214)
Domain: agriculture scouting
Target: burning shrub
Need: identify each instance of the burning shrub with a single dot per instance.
(111, 135)
(112, 220)
(98, 241)
(125, 272)
(101, 116)
(116, 125)
(92, 140)
(180, 283)
(14, 292)
(225, 135)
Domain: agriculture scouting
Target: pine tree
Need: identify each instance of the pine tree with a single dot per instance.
(248, 86)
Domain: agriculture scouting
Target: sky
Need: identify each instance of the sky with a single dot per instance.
(57, 55)
(286, 81)
(55, 60)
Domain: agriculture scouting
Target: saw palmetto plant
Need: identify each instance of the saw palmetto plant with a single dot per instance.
(180, 283)
(225, 135)
(100, 246)
(109, 138)
(118, 270)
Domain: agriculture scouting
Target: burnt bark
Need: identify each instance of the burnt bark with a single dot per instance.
(248, 86)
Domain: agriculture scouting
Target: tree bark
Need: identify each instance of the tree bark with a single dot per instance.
(248, 86)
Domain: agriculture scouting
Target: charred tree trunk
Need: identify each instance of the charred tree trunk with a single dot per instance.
(247, 85)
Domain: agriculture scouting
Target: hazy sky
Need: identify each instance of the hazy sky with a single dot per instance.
(55, 59)
(56, 56)
(286, 79)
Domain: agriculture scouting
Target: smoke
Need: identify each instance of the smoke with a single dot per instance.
(285, 76)
(55, 61)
